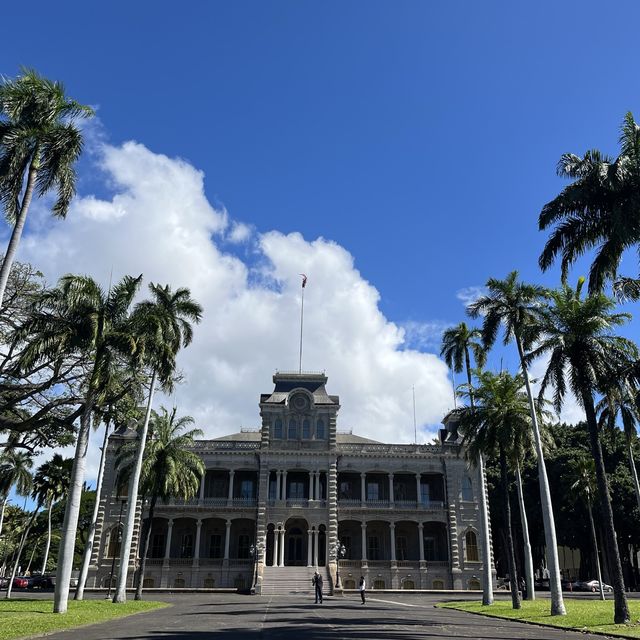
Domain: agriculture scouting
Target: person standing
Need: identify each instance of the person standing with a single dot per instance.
(362, 586)
(317, 583)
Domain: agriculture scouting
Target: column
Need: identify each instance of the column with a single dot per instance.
(167, 547)
(421, 540)
(391, 495)
(204, 478)
(196, 550)
(363, 487)
(392, 531)
(231, 474)
(284, 485)
(311, 483)
(227, 538)
(281, 560)
(419, 497)
(316, 544)
(318, 485)
(278, 484)
(276, 547)
(363, 526)
(309, 547)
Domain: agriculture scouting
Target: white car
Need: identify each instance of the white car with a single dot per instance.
(594, 585)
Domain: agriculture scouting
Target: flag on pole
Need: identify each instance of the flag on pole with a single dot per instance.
(304, 280)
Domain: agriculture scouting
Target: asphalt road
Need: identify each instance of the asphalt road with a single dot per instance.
(384, 617)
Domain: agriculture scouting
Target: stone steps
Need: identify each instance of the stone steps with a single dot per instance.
(287, 580)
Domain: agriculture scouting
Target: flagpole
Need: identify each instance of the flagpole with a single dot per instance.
(304, 282)
(415, 425)
(453, 382)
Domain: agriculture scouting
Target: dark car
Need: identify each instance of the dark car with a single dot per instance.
(42, 582)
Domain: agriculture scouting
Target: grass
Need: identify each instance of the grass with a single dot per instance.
(582, 615)
(22, 618)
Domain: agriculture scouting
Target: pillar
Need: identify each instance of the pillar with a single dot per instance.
(167, 547)
(231, 474)
(392, 531)
(227, 539)
(311, 483)
(391, 494)
(278, 485)
(196, 550)
(204, 478)
(316, 544)
(284, 485)
(281, 559)
(363, 526)
(363, 487)
(418, 496)
(309, 546)
(421, 540)
(318, 485)
(276, 546)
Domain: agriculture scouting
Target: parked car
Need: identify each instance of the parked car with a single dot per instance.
(4, 582)
(42, 582)
(20, 582)
(594, 585)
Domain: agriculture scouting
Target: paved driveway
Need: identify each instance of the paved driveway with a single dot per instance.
(387, 617)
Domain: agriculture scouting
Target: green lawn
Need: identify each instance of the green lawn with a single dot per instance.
(582, 615)
(21, 618)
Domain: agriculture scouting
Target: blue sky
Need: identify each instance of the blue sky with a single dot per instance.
(421, 137)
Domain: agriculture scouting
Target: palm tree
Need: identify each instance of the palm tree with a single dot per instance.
(583, 471)
(15, 471)
(457, 343)
(599, 210)
(500, 415)
(50, 483)
(163, 326)
(516, 306)
(576, 335)
(39, 144)
(169, 469)
(78, 317)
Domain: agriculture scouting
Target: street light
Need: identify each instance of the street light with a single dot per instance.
(255, 551)
(113, 562)
(338, 552)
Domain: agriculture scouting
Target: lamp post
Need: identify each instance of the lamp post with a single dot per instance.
(255, 551)
(338, 552)
(113, 562)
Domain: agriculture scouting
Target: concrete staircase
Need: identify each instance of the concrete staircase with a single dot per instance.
(287, 580)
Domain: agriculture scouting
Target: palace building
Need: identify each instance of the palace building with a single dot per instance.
(298, 494)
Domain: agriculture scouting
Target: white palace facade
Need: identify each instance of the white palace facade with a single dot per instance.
(296, 495)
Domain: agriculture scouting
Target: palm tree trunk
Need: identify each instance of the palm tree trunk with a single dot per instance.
(88, 549)
(634, 472)
(511, 556)
(4, 504)
(485, 531)
(553, 562)
(72, 511)
(528, 558)
(33, 553)
(594, 540)
(145, 548)
(120, 594)
(46, 548)
(23, 539)
(621, 608)
(12, 248)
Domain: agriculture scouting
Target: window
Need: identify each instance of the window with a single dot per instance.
(277, 429)
(373, 548)
(348, 584)
(179, 583)
(186, 546)
(220, 487)
(157, 545)
(346, 543)
(296, 490)
(215, 545)
(209, 583)
(408, 584)
(243, 546)
(148, 583)
(430, 549)
(378, 584)
(471, 544)
(424, 493)
(320, 435)
(401, 548)
(467, 490)
(437, 584)
(273, 486)
(306, 429)
(293, 430)
(115, 538)
(373, 491)
(474, 583)
(345, 490)
(246, 490)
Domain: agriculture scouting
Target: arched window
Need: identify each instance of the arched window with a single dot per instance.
(306, 429)
(466, 493)
(474, 583)
(277, 429)
(115, 537)
(379, 584)
(293, 430)
(320, 434)
(408, 584)
(471, 546)
(437, 584)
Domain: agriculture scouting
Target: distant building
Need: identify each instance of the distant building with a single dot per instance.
(274, 503)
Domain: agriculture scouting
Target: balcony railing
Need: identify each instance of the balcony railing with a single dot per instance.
(238, 503)
(297, 503)
(431, 505)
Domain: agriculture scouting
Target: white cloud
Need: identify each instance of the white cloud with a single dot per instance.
(467, 295)
(424, 335)
(159, 223)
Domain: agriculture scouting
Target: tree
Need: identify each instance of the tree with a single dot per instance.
(599, 210)
(15, 471)
(576, 335)
(163, 326)
(169, 469)
(516, 306)
(79, 317)
(457, 343)
(499, 417)
(50, 483)
(39, 144)
(583, 471)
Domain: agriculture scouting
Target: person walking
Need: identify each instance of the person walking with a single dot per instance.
(362, 586)
(316, 581)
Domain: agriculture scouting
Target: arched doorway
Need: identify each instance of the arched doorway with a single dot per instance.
(295, 543)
